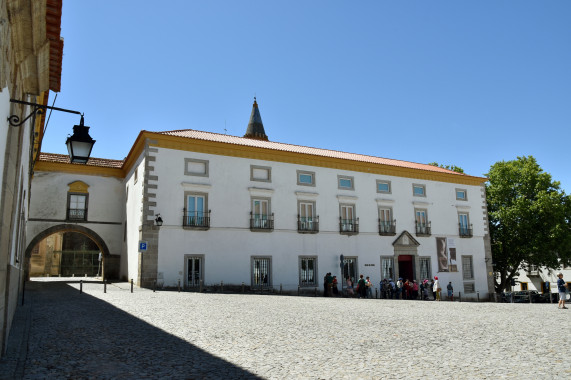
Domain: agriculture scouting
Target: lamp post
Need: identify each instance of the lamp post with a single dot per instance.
(79, 145)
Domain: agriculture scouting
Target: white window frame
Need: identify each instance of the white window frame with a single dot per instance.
(344, 210)
(465, 198)
(260, 220)
(307, 214)
(464, 217)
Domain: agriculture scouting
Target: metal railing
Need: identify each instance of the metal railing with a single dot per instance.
(308, 224)
(422, 229)
(348, 226)
(387, 227)
(261, 222)
(197, 219)
(464, 231)
(76, 214)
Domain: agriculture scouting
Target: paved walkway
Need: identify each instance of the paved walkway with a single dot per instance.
(146, 335)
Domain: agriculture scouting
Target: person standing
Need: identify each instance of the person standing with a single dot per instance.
(450, 291)
(369, 287)
(350, 287)
(433, 289)
(335, 289)
(436, 288)
(562, 288)
(362, 286)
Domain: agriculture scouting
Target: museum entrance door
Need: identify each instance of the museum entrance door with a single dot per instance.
(406, 267)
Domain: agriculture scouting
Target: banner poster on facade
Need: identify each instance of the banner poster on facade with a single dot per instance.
(452, 252)
(442, 254)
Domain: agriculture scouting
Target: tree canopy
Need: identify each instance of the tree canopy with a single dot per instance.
(530, 218)
(454, 168)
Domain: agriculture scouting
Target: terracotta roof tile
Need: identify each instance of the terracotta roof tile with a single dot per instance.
(62, 158)
(209, 136)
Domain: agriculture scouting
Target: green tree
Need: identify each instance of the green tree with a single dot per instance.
(454, 168)
(530, 219)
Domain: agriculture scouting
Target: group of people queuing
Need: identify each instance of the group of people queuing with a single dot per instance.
(389, 289)
(412, 290)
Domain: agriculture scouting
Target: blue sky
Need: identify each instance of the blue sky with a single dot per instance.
(466, 83)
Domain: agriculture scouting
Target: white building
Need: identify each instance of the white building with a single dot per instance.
(247, 210)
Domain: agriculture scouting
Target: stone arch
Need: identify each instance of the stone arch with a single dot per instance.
(68, 228)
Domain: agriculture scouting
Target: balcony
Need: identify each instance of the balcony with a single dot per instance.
(77, 214)
(197, 220)
(261, 222)
(422, 229)
(464, 231)
(348, 226)
(387, 228)
(307, 225)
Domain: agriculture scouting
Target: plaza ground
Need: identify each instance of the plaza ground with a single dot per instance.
(62, 334)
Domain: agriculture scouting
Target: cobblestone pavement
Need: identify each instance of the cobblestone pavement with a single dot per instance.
(146, 335)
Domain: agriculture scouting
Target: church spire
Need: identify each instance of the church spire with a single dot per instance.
(255, 126)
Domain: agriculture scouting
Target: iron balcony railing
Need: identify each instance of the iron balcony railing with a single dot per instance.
(261, 222)
(348, 226)
(196, 219)
(387, 227)
(308, 224)
(464, 231)
(422, 229)
(77, 214)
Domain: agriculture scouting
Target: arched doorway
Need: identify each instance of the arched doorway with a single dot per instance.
(68, 250)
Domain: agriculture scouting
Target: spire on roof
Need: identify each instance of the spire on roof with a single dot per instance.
(255, 126)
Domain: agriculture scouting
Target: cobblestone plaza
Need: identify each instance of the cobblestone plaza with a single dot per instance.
(152, 335)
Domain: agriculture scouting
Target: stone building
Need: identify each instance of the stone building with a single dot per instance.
(31, 52)
(212, 208)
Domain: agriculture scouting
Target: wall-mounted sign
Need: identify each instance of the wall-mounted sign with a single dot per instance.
(142, 246)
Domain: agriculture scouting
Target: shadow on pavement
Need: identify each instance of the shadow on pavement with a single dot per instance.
(77, 336)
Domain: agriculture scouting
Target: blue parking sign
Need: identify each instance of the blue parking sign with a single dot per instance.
(142, 246)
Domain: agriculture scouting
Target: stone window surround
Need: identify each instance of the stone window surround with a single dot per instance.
(465, 199)
(315, 270)
(351, 178)
(312, 174)
(418, 185)
(379, 181)
(267, 168)
(196, 174)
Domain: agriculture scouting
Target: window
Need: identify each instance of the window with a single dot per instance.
(467, 269)
(307, 221)
(461, 195)
(261, 219)
(307, 271)
(345, 183)
(523, 285)
(425, 272)
(419, 190)
(261, 272)
(260, 173)
(469, 287)
(305, 178)
(386, 225)
(387, 267)
(421, 222)
(136, 175)
(194, 167)
(383, 186)
(77, 207)
(196, 213)
(347, 221)
(463, 225)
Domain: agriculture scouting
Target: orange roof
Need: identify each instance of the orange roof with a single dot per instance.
(216, 137)
(64, 159)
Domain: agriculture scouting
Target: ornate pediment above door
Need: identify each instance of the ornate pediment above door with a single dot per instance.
(405, 239)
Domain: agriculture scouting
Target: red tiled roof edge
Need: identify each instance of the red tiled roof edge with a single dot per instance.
(93, 161)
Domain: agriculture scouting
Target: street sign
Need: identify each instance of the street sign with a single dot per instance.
(142, 246)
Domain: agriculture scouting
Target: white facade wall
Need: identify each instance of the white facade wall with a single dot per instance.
(227, 247)
(4, 127)
(133, 187)
(106, 206)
